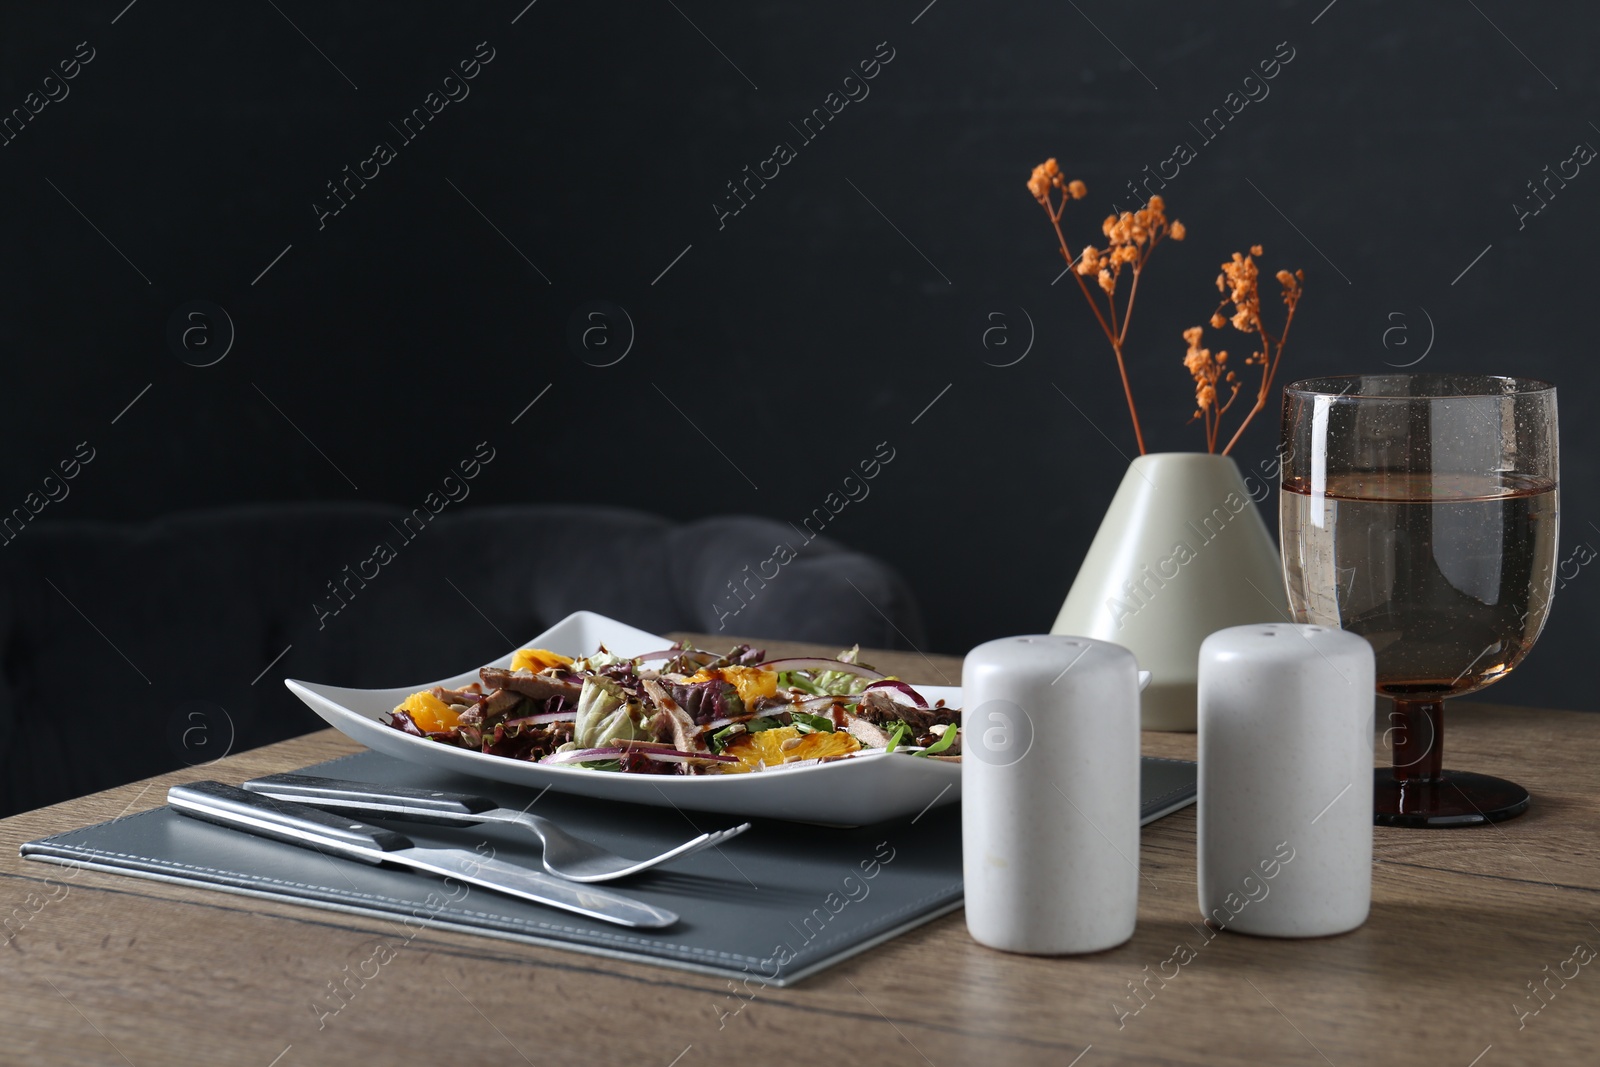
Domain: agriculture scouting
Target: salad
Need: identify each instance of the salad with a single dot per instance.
(682, 710)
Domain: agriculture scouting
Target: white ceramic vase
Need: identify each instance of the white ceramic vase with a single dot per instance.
(1181, 553)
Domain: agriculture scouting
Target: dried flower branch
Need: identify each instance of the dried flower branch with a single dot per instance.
(1130, 238)
(1239, 283)
(1208, 372)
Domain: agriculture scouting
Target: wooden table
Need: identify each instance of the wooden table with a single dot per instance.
(106, 969)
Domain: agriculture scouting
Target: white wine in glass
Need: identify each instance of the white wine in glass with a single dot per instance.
(1422, 512)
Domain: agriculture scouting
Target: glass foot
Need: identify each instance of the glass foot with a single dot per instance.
(1456, 798)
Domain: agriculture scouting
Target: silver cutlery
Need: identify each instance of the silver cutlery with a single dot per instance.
(564, 855)
(341, 835)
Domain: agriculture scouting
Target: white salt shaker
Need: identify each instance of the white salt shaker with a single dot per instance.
(1285, 805)
(1050, 794)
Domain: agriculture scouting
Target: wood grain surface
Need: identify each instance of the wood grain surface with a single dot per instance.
(102, 969)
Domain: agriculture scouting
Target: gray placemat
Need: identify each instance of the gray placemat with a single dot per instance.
(778, 903)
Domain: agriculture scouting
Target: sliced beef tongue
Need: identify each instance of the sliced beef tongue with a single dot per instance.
(471, 694)
(537, 686)
(868, 733)
(671, 724)
(500, 701)
(878, 707)
(493, 708)
(871, 735)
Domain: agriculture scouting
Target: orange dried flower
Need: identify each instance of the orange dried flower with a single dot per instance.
(1239, 283)
(1130, 238)
(1039, 185)
(1242, 290)
(1204, 369)
(1291, 286)
(1207, 372)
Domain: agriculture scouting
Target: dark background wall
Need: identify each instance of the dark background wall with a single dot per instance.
(771, 350)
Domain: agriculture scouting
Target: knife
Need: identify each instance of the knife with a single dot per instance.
(340, 835)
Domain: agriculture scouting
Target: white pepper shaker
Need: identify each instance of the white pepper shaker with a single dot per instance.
(1050, 794)
(1285, 805)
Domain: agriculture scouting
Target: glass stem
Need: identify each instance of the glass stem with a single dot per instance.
(1418, 728)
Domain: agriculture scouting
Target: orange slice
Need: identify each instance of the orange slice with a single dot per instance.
(767, 747)
(537, 659)
(752, 683)
(429, 712)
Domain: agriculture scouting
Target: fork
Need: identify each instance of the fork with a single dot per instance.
(564, 855)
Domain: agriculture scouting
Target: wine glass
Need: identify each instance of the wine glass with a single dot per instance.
(1421, 512)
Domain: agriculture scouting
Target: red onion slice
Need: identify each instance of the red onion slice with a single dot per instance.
(716, 724)
(916, 697)
(816, 705)
(657, 750)
(811, 663)
(696, 655)
(583, 755)
(675, 756)
(651, 749)
(647, 746)
(811, 705)
(567, 715)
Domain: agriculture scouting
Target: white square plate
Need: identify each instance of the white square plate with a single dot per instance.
(850, 792)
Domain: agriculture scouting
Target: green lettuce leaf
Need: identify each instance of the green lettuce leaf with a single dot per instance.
(820, 723)
(946, 739)
(605, 715)
(602, 658)
(840, 683)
